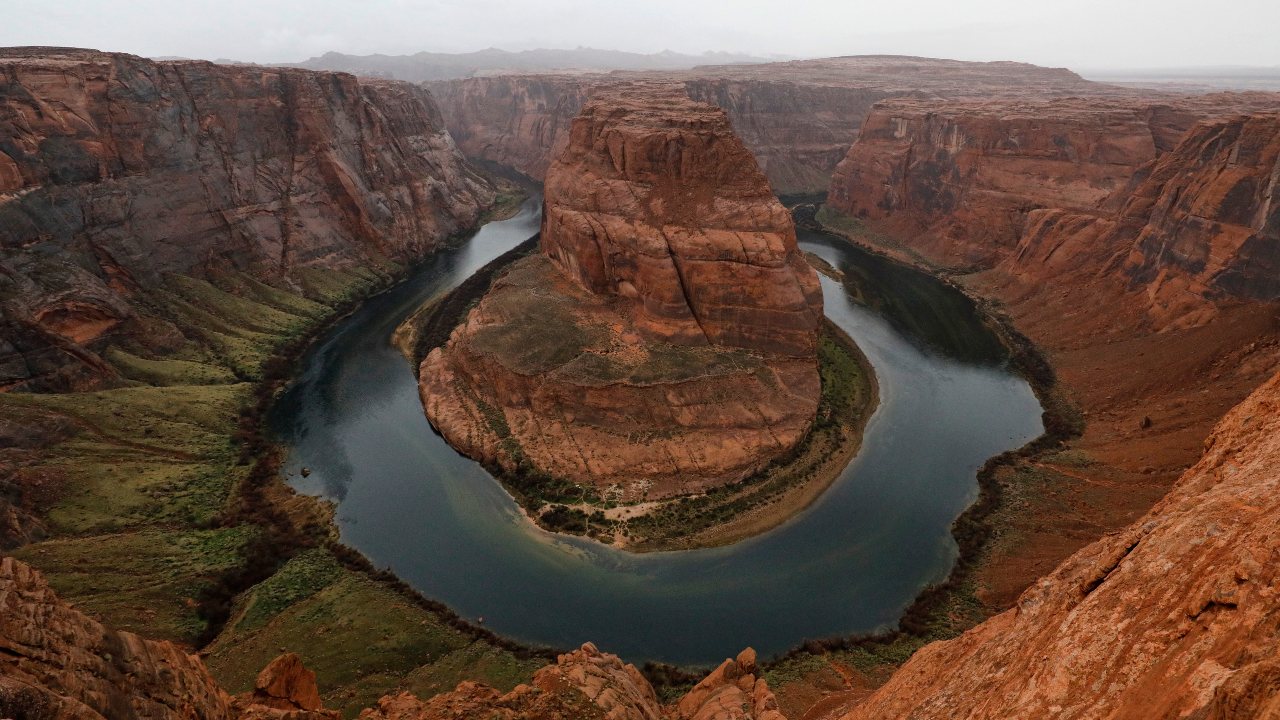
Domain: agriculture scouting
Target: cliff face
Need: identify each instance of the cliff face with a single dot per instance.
(1174, 616)
(963, 175)
(55, 662)
(658, 202)
(1209, 212)
(512, 120)
(962, 178)
(665, 341)
(797, 118)
(116, 171)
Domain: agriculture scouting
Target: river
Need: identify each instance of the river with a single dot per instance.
(850, 563)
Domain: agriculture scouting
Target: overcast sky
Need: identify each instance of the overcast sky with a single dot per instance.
(1081, 34)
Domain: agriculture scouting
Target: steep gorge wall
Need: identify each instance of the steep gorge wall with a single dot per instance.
(798, 118)
(116, 171)
(1174, 616)
(960, 180)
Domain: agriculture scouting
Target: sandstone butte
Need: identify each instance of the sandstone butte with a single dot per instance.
(55, 662)
(118, 172)
(664, 340)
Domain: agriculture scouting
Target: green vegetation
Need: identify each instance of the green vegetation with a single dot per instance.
(165, 513)
(364, 637)
(162, 457)
(856, 230)
(845, 404)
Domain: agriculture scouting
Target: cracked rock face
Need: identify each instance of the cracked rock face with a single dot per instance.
(1175, 616)
(665, 340)
(117, 172)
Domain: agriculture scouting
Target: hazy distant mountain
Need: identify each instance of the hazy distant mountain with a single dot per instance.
(1225, 77)
(448, 66)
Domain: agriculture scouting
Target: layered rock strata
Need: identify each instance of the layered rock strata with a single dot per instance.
(117, 171)
(798, 118)
(55, 662)
(665, 339)
(962, 178)
(1176, 615)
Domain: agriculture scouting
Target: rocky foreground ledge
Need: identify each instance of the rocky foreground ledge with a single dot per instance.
(57, 663)
(665, 340)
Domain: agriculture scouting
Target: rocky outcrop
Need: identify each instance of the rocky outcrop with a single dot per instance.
(284, 688)
(1207, 217)
(732, 690)
(798, 118)
(1194, 229)
(54, 659)
(655, 201)
(57, 663)
(665, 340)
(962, 178)
(116, 171)
(1174, 616)
(589, 684)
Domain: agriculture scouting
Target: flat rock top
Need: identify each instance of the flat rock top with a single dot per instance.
(535, 321)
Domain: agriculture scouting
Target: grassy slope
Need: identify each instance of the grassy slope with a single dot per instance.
(143, 522)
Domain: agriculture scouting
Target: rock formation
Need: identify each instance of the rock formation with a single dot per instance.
(1175, 616)
(116, 171)
(960, 178)
(285, 686)
(798, 118)
(1194, 228)
(57, 663)
(665, 340)
(1137, 293)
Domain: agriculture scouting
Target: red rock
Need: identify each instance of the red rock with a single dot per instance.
(287, 685)
(654, 200)
(118, 170)
(961, 178)
(665, 342)
(1174, 616)
(54, 657)
(797, 118)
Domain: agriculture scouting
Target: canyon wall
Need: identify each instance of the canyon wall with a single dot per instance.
(1147, 284)
(962, 178)
(665, 339)
(1174, 616)
(117, 171)
(798, 118)
(1197, 228)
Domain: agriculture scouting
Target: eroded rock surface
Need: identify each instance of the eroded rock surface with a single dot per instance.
(1175, 616)
(57, 663)
(797, 118)
(117, 171)
(665, 340)
(55, 659)
(961, 177)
